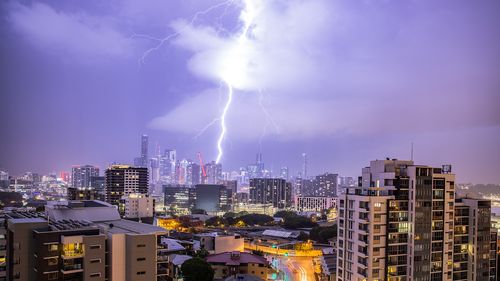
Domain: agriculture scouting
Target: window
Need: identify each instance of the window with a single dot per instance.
(141, 273)
(52, 261)
(94, 247)
(141, 259)
(95, 261)
(52, 276)
(97, 274)
(53, 247)
(141, 246)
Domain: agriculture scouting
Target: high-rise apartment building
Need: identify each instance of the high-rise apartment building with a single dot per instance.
(81, 176)
(124, 180)
(276, 191)
(402, 223)
(324, 185)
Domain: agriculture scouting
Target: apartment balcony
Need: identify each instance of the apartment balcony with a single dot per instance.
(162, 259)
(161, 270)
(72, 251)
(72, 268)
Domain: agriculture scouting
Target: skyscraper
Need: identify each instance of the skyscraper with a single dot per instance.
(267, 191)
(81, 176)
(124, 180)
(304, 166)
(325, 185)
(144, 150)
(214, 173)
(284, 173)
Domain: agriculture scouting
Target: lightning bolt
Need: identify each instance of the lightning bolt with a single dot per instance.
(223, 122)
(247, 16)
(162, 41)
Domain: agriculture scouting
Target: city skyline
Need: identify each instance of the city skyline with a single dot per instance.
(343, 82)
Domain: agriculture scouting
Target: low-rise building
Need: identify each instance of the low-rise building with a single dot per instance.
(137, 206)
(83, 240)
(215, 243)
(231, 263)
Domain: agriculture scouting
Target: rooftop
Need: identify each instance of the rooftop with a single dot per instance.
(129, 227)
(236, 258)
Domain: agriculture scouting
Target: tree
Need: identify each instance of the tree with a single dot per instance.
(299, 222)
(198, 212)
(285, 214)
(197, 269)
(303, 236)
(215, 221)
(323, 234)
(256, 219)
(202, 254)
(258, 253)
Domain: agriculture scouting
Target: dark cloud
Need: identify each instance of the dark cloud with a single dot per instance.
(346, 81)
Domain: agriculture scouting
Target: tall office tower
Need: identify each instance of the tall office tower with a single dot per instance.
(399, 225)
(304, 166)
(65, 176)
(325, 185)
(154, 164)
(284, 173)
(271, 191)
(144, 150)
(124, 180)
(213, 172)
(181, 170)
(4, 180)
(304, 187)
(231, 185)
(212, 198)
(81, 175)
(193, 174)
(259, 165)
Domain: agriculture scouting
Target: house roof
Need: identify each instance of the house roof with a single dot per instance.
(236, 258)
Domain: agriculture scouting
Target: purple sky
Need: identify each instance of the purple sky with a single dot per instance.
(345, 81)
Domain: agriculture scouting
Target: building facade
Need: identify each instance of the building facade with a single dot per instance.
(179, 199)
(315, 204)
(276, 191)
(212, 198)
(81, 176)
(402, 223)
(124, 180)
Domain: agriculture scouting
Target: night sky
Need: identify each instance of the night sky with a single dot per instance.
(344, 81)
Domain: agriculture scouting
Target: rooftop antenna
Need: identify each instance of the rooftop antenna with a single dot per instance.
(411, 151)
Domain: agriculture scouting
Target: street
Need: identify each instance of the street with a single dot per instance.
(293, 268)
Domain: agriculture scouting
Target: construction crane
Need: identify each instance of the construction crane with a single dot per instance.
(204, 173)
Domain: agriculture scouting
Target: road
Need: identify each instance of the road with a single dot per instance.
(294, 268)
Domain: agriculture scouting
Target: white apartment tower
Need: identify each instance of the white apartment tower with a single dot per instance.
(400, 225)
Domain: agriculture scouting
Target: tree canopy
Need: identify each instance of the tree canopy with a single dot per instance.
(197, 269)
(322, 234)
